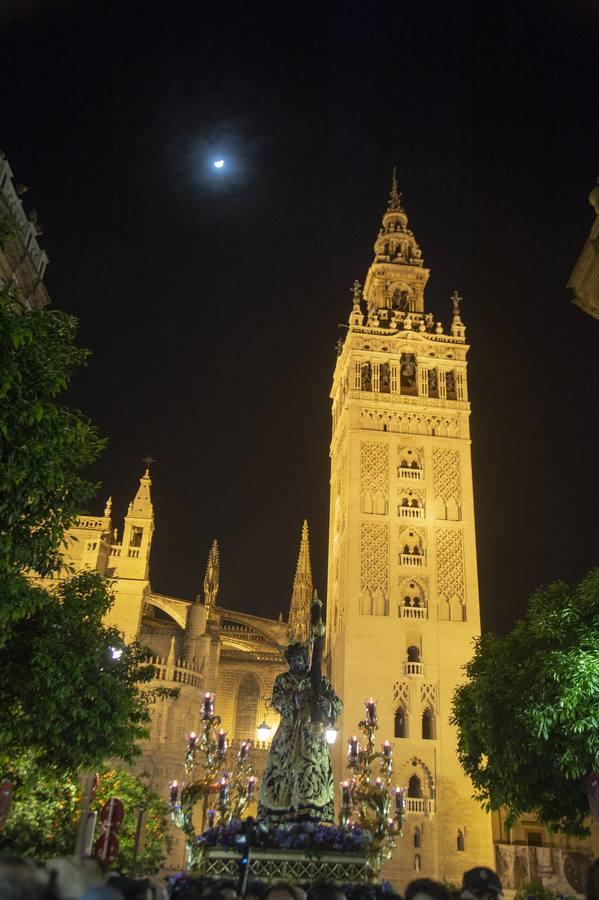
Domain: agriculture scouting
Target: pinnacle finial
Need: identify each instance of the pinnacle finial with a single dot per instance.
(301, 596)
(394, 196)
(357, 293)
(211, 578)
(108, 508)
(456, 301)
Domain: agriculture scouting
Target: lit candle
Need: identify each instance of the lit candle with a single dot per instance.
(378, 783)
(211, 817)
(173, 791)
(251, 786)
(370, 711)
(243, 751)
(345, 793)
(353, 748)
(208, 706)
(387, 750)
(193, 739)
(399, 800)
(223, 791)
(222, 741)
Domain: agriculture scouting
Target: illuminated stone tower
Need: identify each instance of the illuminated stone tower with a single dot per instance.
(402, 584)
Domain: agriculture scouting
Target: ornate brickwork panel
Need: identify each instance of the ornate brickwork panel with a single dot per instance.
(374, 557)
(428, 696)
(446, 474)
(450, 563)
(374, 477)
(401, 694)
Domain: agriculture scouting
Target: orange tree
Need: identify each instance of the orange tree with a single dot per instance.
(43, 819)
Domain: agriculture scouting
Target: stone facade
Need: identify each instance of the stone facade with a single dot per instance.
(402, 586)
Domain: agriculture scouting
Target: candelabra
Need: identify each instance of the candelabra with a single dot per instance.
(366, 799)
(206, 780)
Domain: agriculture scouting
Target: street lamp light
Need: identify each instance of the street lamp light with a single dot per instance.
(263, 732)
(330, 734)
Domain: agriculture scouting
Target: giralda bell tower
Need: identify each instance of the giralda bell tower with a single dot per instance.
(402, 583)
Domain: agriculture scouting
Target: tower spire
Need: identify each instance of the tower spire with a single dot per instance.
(211, 577)
(301, 595)
(141, 505)
(394, 196)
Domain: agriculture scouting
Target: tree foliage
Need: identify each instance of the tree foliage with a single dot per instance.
(65, 700)
(528, 715)
(46, 808)
(43, 446)
(65, 692)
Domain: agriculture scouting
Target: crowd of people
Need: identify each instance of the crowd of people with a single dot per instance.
(87, 879)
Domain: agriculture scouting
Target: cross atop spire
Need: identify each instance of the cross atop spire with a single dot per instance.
(301, 595)
(394, 196)
(148, 459)
(211, 578)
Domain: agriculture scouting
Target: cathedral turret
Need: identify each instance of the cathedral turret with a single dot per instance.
(132, 558)
(301, 595)
(195, 641)
(129, 561)
(212, 576)
(394, 287)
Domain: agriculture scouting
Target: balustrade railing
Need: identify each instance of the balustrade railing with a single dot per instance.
(411, 559)
(414, 612)
(410, 474)
(410, 512)
(420, 805)
(413, 668)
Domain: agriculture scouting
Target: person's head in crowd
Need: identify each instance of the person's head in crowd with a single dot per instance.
(71, 877)
(326, 890)
(20, 879)
(281, 890)
(426, 889)
(592, 881)
(480, 884)
(102, 892)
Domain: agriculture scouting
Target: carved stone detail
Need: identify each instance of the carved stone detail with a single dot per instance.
(401, 694)
(447, 484)
(450, 572)
(374, 477)
(428, 696)
(374, 557)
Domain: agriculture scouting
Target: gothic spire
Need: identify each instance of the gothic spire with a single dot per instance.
(212, 575)
(301, 595)
(141, 505)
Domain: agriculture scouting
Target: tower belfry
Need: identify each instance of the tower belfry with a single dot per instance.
(402, 601)
(303, 589)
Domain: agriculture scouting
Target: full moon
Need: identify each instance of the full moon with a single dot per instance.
(219, 163)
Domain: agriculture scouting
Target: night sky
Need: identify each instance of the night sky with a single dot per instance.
(211, 300)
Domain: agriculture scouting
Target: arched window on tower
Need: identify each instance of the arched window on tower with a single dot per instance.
(408, 379)
(450, 385)
(417, 837)
(414, 786)
(461, 844)
(413, 654)
(428, 725)
(401, 723)
(246, 718)
(417, 862)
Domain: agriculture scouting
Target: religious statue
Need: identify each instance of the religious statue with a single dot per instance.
(298, 778)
